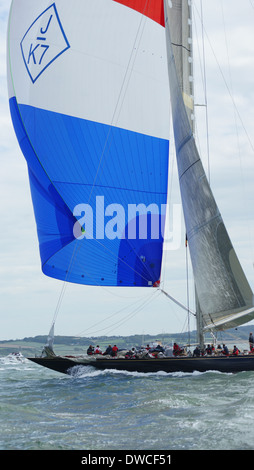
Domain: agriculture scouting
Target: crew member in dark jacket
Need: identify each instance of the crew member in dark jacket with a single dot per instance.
(108, 351)
(225, 350)
(90, 350)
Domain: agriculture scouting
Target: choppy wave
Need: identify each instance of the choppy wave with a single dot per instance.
(92, 409)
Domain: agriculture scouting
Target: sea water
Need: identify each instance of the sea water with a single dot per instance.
(106, 410)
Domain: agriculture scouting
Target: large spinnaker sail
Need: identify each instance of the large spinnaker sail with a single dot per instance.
(89, 94)
(224, 295)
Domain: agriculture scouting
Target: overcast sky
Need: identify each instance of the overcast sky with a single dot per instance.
(28, 299)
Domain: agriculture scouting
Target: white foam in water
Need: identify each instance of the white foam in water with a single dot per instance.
(80, 371)
(84, 371)
(13, 359)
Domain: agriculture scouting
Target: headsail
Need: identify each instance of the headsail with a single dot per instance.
(89, 95)
(224, 295)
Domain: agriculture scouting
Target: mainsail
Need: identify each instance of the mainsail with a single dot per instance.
(89, 94)
(224, 296)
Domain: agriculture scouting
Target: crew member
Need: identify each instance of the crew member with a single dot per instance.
(108, 350)
(235, 351)
(225, 350)
(176, 349)
(90, 350)
(114, 350)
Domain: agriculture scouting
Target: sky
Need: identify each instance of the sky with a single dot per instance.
(29, 300)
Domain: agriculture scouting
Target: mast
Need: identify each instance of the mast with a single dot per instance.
(200, 324)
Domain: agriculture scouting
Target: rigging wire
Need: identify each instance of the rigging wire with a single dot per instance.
(187, 286)
(230, 80)
(229, 91)
(200, 61)
(205, 90)
(123, 320)
(229, 88)
(111, 316)
(245, 199)
(64, 285)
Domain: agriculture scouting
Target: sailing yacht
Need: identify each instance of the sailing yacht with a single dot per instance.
(92, 85)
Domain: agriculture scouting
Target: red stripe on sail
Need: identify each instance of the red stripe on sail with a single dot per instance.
(152, 8)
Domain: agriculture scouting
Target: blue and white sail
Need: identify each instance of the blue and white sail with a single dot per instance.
(89, 99)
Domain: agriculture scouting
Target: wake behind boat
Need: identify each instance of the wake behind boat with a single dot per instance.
(15, 357)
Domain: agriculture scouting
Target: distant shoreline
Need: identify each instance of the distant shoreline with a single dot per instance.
(31, 346)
